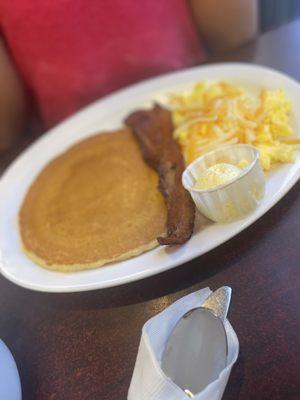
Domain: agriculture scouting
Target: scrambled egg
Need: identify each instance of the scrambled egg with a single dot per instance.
(213, 114)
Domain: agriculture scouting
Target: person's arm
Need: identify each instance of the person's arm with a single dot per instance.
(12, 101)
(225, 24)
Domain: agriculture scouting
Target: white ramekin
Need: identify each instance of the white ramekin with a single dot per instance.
(234, 199)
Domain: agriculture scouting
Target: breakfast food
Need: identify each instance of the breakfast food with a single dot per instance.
(98, 202)
(214, 114)
(219, 174)
(226, 184)
(153, 130)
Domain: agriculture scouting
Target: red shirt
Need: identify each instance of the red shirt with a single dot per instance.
(71, 52)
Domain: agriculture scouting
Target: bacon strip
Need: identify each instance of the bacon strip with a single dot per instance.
(153, 131)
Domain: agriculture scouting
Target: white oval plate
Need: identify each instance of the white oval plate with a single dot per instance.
(109, 113)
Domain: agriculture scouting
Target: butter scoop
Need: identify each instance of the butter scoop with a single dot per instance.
(227, 183)
(217, 175)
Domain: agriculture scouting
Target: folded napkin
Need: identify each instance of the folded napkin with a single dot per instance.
(149, 381)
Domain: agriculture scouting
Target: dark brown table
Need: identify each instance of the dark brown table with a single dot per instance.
(83, 345)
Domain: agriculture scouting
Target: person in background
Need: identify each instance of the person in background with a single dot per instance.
(56, 57)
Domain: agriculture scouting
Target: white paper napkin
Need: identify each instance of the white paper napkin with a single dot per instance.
(148, 381)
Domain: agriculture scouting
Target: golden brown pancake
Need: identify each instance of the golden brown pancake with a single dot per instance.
(96, 203)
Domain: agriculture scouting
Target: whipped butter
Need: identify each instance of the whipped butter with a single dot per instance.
(219, 174)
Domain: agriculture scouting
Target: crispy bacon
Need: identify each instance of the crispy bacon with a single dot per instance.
(153, 131)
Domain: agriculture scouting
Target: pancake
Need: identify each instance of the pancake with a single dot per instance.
(96, 203)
